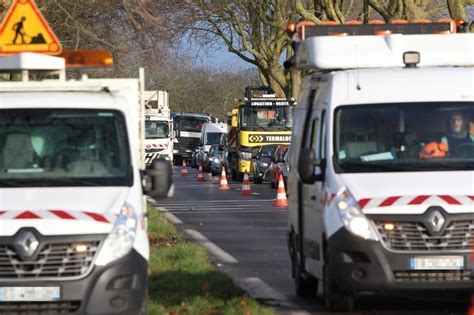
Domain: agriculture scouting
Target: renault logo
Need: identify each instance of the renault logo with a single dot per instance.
(436, 220)
(27, 243)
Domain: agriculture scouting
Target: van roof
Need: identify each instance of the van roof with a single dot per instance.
(352, 52)
(393, 85)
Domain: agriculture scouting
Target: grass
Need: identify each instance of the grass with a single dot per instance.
(183, 280)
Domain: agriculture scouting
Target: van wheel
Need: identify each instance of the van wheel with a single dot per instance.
(334, 299)
(304, 286)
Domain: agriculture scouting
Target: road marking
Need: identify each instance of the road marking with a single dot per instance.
(212, 248)
(259, 289)
(171, 217)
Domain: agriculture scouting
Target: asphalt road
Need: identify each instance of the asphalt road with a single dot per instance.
(246, 238)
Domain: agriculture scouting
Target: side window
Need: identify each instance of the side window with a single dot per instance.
(312, 140)
(322, 137)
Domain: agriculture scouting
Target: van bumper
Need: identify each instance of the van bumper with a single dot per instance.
(118, 288)
(365, 266)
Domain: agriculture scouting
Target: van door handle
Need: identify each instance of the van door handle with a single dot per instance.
(313, 198)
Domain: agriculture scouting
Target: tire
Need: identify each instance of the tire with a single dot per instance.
(334, 300)
(272, 184)
(234, 175)
(257, 180)
(305, 286)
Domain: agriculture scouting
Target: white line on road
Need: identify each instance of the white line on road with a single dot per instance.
(259, 289)
(171, 217)
(223, 256)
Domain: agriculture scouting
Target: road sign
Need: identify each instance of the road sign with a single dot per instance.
(24, 29)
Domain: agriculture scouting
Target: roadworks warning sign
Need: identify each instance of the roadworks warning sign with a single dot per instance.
(24, 29)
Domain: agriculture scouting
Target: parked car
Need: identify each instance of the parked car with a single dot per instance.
(261, 161)
(278, 166)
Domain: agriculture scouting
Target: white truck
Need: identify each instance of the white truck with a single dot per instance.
(73, 228)
(381, 194)
(158, 127)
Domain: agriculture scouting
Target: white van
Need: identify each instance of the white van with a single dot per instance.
(211, 133)
(381, 183)
(73, 234)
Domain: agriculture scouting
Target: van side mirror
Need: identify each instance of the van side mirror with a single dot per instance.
(158, 179)
(307, 166)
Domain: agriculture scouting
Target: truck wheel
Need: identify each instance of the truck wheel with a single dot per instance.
(334, 299)
(304, 286)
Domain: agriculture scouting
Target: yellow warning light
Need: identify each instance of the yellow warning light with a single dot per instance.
(87, 58)
(81, 248)
(389, 226)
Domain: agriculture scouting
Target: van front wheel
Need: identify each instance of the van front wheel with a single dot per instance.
(334, 299)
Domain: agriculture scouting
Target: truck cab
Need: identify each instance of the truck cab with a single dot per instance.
(187, 130)
(381, 162)
(263, 118)
(73, 221)
(158, 127)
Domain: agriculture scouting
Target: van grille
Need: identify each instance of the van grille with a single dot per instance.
(433, 276)
(413, 236)
(49, 308)
(52, 261)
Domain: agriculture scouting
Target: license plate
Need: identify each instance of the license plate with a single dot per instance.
(437, 263)
(36, 294)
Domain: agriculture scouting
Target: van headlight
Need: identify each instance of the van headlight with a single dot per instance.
(352, 217)
(120, 241)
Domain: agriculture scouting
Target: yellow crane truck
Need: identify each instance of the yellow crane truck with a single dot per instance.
(262, 118)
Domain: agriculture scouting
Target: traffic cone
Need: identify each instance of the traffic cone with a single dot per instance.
(223, 185)
(246, 186)
(184, 169)
(200, 176)
(281, 200)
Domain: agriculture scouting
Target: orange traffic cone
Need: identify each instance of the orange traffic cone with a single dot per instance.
(223, 185)
(200, 176)
(281, 200)
(246, 186)
(184, 169)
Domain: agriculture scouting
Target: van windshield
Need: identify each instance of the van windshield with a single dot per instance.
(63, 147)
(213, 138)
(436, 136)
